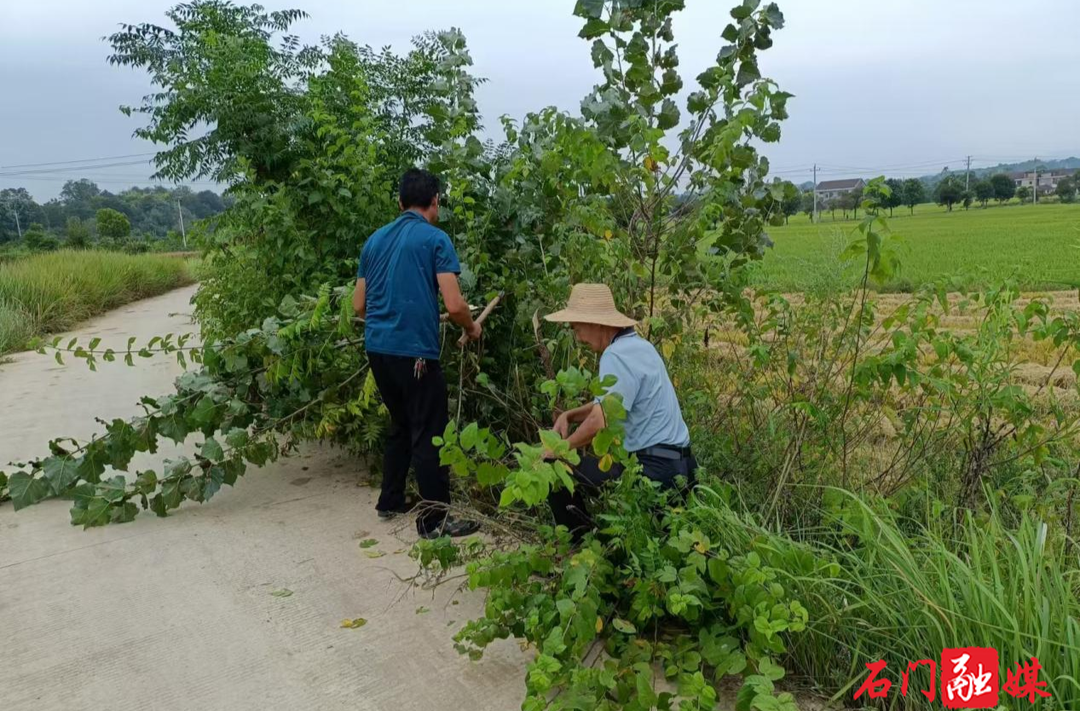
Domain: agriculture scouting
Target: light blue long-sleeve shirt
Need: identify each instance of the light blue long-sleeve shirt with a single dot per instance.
(653, 415)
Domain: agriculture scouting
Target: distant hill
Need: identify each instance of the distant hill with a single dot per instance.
(1054, 164)
(931, 180)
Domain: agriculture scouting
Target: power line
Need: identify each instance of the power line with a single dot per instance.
(80, 160)
(44, 171)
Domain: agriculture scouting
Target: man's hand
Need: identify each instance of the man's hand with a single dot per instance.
(562, 426)
(474, 331)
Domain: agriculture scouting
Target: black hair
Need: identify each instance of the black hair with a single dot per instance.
(418, 188)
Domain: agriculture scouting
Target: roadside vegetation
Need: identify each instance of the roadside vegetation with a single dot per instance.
(43, 294)
(878, 481)
(86, 216)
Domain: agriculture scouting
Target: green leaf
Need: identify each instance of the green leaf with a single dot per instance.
(211, 449)
(601, 54)
(284, 592)
(770, 670)
(589, 8)
(748, 72)
(369, 543)
(488, 474)
(113, 489)
(773, 16)
(594, 28)
(237, 437)
(146, 482)
(623, 626)
(469, 436)
(25, 490)
(697, 102)
(124, 513)
(61, 472)
(212, 482)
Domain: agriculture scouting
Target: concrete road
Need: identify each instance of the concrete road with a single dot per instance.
(179, 613)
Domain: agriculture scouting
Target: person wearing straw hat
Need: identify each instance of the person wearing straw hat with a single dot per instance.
(654, 429)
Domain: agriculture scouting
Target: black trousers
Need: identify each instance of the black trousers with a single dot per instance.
(571, 510)
(418, 412)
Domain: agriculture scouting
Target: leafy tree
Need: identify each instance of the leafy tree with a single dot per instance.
(984, 191)
(112, 225)
(1023, 193)
(949, 192)
(851, 201)
(17, 211)
(248, 99)
(80, 191)
(1066, 189)
(203, 204)
(914, 193)
(76, 233)
(792, 201)
(895, 198)
(38, 240)
(1004, 187)
(967, 197)
(808, 203)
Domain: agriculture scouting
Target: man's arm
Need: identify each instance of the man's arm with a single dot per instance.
(455, 303)
(563, 421)
(592, 423)
(359, 298)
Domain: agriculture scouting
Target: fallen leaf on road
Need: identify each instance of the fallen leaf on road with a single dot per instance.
(368, 543)
(284, 592)
(421, 610)
(374, 554)
(353, 624)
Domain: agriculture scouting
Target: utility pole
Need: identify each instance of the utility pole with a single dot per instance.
(1035, 185)
(183, 232)
(967, 175)
(15, 211)
(815, 193)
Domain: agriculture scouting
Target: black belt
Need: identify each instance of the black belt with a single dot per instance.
(666, 451)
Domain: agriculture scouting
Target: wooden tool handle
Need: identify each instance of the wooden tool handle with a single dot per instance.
(482, 317)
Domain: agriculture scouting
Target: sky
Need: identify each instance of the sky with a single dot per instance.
(900, 88)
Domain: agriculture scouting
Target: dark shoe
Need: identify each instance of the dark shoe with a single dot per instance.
(453, 528)
(387, 514)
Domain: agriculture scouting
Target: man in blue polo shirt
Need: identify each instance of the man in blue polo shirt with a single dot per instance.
(404, 266)
(654, 429)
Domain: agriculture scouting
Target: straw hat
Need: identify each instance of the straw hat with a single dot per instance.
(591, 303)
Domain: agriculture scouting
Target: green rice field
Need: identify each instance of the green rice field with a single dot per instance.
(1037, 245)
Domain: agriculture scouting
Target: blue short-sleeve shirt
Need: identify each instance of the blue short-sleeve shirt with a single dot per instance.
(398, 264)
(653, 415)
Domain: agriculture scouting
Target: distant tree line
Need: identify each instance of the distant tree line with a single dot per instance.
(84, 214)
(948, 191)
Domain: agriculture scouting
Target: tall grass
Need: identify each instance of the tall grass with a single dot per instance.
(878, 587)
(47, 293)
(903, 596)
